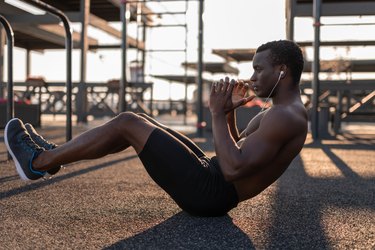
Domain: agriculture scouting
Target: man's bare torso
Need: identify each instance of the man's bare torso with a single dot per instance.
(255, 183)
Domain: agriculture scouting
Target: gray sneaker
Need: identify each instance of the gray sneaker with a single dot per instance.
(22, 149)
(38, 139)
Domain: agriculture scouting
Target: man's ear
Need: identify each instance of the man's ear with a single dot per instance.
(283, 71)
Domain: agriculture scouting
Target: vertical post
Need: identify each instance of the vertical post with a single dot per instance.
(143, 63)
(186, 64)
(337, 120)
(2, 44)
(316, 69)
(200, 70)
(123, 82)
(28, 63)
(69, 85)
(289, 13)
(81, 102)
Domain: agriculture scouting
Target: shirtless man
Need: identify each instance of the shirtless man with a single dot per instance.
(245, 164)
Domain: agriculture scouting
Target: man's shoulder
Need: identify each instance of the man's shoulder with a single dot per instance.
(286, 117)
(291, 111)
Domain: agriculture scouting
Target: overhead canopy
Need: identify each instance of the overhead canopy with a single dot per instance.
(335, 7)
(214, 67)
(108, 10)
(238, 55)
(37, 32)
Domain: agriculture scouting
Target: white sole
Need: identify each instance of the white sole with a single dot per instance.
(20, 171)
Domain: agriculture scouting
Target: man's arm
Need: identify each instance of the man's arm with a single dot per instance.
(232, 124)
(258, 149)
(238, 98)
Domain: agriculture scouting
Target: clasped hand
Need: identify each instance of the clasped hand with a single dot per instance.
(228, 95)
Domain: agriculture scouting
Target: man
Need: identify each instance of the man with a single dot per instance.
(245, 164)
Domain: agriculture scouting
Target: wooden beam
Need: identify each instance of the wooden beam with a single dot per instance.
(339, 43)
(59, 30)
(365, 84)
(343, 66)
(53, 33)
(354, 8)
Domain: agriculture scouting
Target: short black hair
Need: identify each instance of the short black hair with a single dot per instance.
(288, 53)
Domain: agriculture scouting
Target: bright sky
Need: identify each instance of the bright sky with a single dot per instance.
(227, 24)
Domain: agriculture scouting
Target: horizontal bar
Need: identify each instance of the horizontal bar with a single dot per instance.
(107, 46)
(75, 84)
(346, 24)
(166, 25)
(162, 13)
(166, 50)
(365, 84)
(161, 1)
(339, 43)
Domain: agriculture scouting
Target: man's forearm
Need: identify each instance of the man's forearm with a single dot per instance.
(231, 120)
(226, 149)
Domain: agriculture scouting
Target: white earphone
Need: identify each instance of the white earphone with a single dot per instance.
(278, 80)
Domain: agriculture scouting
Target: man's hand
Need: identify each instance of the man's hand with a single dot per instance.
(239, 94)
(226, 96)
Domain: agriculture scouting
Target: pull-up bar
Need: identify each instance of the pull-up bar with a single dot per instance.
(10, 43)
(159, 1)
(68, 46)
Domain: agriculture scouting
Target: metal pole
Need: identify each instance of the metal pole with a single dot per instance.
(10, 44)
(289, 13)
(68, 46)
(315, 69)
(28, 62)
(2, 44)
(123, 82)
(200, 70)
(81, 101)
(186, 64)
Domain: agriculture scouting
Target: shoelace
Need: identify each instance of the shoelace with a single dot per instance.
(43, 142)
(30, 143)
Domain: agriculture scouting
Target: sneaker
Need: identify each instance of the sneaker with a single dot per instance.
(43, 143)
(22, 149)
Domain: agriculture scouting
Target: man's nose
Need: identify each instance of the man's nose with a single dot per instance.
(252, 78)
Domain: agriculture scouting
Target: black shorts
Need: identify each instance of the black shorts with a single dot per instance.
(195, 183)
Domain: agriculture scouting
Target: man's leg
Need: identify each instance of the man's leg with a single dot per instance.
(184, 139)
(127, 129)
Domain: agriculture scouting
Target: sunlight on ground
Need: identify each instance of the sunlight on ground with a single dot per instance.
(314, 158)
(362, 165)
(340, 224)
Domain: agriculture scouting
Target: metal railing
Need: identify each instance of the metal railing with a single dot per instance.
(10, 44)
(68, 45)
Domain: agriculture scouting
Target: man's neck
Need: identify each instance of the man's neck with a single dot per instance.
(286, 95)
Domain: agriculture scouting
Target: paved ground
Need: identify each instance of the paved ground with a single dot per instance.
(325, 200)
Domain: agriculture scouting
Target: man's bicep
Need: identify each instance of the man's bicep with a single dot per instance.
(264, 143)
(260, 148)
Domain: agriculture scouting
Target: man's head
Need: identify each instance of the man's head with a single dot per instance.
(285, 52)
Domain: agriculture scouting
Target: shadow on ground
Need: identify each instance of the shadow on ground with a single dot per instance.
(183, 231)
(324, 212)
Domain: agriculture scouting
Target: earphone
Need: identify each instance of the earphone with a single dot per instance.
(278, 80)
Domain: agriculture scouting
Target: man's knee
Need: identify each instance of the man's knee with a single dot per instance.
(126, 118)
(146, 116)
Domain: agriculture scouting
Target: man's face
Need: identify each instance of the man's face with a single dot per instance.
(265, 76)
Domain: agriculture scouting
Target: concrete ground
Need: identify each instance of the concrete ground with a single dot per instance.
(325, 200)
